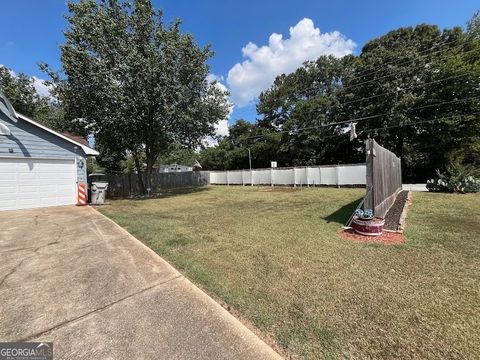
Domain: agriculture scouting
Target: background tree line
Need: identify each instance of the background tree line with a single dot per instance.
(415, 90)
(140, 87)
(21, 92)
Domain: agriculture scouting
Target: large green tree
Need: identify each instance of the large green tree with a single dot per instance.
(20, 90)
(389, 79)
(232, 151)
(396, 84)
(137, 84)
(300, 105)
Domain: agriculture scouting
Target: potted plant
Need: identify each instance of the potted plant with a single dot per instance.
(365, 223)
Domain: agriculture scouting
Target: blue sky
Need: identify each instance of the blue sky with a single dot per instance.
(31, 32)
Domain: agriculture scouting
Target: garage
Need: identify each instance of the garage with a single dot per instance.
(36, 183)
(39, 167)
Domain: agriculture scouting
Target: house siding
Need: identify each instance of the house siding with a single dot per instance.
(30, 141)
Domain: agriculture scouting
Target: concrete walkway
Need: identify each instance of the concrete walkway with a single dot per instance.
(415, 187)
(73, 277)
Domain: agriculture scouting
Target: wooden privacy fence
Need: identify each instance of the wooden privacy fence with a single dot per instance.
(124, 185)
(384, 178)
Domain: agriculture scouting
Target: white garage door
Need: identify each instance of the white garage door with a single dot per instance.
(33, 183)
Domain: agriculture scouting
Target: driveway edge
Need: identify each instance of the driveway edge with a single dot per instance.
(227, 316)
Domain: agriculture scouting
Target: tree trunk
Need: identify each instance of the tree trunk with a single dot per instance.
(151, 159)
(139, 174)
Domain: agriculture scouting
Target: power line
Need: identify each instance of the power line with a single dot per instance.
(397, 90)
(408, 124)
(387, 93)
(349, 86)
(398, 62)
(419, 122)
(406, 88)
(362, 118)
(387, 76)
(403, 89)
(402, 125)
(407, 110)
(386, 114)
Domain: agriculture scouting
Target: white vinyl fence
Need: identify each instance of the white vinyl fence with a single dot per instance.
(333, 175)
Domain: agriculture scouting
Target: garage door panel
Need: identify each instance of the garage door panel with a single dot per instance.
(50, 202)
(54, 176)
(5, 170)
(7, 204)
(8, 194)
(26, 203)
(28, 189)
(46, 188)
(63, 188)
(7, 175)
(63, 201)
(8, 183)
(25, 167)
(26, 183)
(28, 195)
(26, 177)
(36, 183)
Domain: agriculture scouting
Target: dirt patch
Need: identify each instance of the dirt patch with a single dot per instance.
(387, 238)
(392, 218)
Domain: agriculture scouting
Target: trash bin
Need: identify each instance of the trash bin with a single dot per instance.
(98, 188)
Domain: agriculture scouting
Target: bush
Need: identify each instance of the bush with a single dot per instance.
(455, 179)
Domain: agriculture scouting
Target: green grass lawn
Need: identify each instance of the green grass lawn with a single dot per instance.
(277, 258)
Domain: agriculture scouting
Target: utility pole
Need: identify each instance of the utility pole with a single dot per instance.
(250, 163)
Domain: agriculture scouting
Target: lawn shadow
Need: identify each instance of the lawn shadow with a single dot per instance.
(342, 215)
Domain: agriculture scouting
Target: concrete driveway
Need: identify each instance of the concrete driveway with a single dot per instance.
(73, 277)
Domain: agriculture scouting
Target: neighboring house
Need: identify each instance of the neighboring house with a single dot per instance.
(172, 168)
(39, 167)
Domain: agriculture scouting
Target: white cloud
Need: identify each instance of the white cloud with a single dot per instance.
(40, 87)
(221, 128)
(247, 79)
(219, 81)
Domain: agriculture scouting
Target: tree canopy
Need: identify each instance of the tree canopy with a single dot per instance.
(20, 91)
(415, 90)
(138, 85)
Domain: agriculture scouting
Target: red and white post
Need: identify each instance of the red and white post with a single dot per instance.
(81, 195)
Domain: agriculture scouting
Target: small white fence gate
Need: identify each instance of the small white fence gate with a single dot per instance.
(332, 175)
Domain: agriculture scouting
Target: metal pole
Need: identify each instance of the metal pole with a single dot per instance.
(250, 163)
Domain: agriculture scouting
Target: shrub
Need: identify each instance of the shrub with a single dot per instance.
(456, 178)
